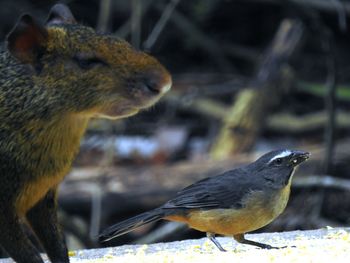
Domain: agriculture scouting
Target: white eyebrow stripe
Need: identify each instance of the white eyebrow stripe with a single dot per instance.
(281, 155)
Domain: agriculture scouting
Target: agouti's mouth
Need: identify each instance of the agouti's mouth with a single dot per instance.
(152, 88)
(156, 82)
(117, 111)
(112, 116)
(142, 94)
(166, 87)
(155, 89)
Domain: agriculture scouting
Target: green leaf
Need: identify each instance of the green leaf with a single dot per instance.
(342, 92)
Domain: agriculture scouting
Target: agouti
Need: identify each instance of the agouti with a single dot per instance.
(53, 79)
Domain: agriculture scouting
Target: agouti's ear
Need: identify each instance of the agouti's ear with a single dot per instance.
(60, 14)
(27, 40)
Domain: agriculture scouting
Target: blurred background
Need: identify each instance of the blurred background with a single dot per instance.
(249, 76)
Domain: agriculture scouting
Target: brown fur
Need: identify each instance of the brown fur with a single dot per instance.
(53, 80)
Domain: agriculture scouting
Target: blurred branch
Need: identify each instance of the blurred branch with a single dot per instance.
(207, 84)
(341, 14)
(201, 39)
(152, 38)
(288, 123)
(104, 15)
(95, 218)
(245, 118)
(279, 122)
(330, 6)
(324, 181)
(334, 6)
(136, 15)
(323, 5)
(283, 122)
(241, 52)
(340, 7)
(330, 102)
(77, 227)
(207, 107)
(317, 89)
(125, 29)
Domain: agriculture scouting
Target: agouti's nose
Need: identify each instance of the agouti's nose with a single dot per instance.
(157, 81)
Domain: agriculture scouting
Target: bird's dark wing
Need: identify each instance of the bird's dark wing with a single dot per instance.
(224, 191)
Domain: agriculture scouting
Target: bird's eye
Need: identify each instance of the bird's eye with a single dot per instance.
(278, 161)
(88, 62)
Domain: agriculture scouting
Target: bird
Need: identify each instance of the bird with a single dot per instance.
(230, 204)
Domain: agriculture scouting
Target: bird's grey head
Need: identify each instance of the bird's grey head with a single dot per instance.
(283, 158)
(278, 166)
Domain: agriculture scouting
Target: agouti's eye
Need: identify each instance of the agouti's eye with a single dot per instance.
(278, 161)
(88, 62)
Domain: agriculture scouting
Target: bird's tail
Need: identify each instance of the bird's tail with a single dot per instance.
(130, 224)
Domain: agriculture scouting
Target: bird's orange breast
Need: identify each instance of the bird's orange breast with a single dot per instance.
(260, 208)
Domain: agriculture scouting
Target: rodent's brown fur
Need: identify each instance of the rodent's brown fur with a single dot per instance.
(47, 96)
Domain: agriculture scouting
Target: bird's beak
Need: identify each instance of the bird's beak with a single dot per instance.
(298, 157)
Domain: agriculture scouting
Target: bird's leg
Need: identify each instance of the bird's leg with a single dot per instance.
(240, 238)
(212, 238)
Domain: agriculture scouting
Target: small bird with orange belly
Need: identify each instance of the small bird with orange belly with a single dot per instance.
(230, 204)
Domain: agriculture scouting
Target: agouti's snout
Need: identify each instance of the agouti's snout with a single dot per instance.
(157, 82)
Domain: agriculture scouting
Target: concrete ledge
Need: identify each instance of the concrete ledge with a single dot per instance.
(323, 245)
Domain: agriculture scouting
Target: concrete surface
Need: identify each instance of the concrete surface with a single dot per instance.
(323, 245)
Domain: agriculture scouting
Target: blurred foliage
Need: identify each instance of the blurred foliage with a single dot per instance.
(343, 92)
